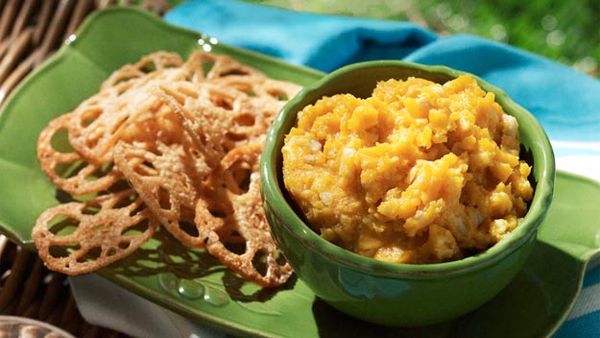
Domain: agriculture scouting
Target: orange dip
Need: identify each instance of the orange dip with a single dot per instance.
(417, 173)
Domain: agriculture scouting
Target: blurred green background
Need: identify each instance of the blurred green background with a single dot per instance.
(562, 30)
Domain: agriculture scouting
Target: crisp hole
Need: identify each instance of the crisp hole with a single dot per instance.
(123, 245)
(62, 226)
(69, 169)
(217, 208)
(280, 258)
(239, 176)
(126, 200)
(279, 95)
(106, 167)
(63, 196)
(124, 79)
(63, 250)
(242, 177)
(101, 171)
(235, 136)
(92, 255)
(207, 66)
(164, 200)
(90, 210)
(87, 121)
(234, 71)
(218, 213)
(223, 102)
(60, 141)
(138, 209)
(236, 248)
(119, 186)
(245, 120)
(148, 67)
(260, 263)
(136, 230)
(189, 228)
(146, 168)
(90, 116)
(91, 142)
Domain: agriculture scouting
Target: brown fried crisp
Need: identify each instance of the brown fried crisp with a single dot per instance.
(206, 66)
(67, 169)
(244, 218)
(167, 182)
(186, 136)
(260, 86)
(150, 66)
(203, 110)
(106, 229)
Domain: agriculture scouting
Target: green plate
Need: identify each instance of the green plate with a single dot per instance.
(190, 282)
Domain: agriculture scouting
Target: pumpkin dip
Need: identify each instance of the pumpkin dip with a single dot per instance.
(417, 173)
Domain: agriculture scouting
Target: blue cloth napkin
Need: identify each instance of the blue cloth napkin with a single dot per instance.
(566, 102)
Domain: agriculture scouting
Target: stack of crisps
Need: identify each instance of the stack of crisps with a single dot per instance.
(165, 142)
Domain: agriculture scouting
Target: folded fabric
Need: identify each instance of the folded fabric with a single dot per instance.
(566, 102)
(104, 304)
(318, 41)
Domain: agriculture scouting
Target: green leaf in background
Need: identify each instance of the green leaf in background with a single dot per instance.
(565, 31)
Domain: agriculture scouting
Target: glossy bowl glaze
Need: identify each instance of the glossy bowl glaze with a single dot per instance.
(400, 294)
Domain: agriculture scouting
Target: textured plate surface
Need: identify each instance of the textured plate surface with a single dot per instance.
(195, 285)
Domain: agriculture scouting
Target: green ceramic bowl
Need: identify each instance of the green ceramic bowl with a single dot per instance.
(400, 294)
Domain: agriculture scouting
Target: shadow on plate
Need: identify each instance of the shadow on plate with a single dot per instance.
(165, 255)
(173, 262)
(531, 306)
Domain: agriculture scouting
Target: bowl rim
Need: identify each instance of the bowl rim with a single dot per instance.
(271, 187)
